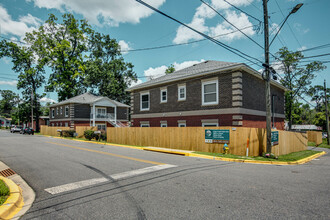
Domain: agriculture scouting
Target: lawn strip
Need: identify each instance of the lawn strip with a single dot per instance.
(295, 156)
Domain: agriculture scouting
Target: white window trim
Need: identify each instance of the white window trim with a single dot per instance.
(53, 113)
(185, 92)
(144, 125)
(101, 124)
(216, 90)
(142, 94)
(66, 107)
(161, 96)
(213, 124)
(96, 108)
(182, 123)
(163, 123)
(56, 110)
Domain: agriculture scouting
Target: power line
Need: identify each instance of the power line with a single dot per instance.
(237, 8)
(231, 49)
(180, 44)
(232, 24)
(288, 23)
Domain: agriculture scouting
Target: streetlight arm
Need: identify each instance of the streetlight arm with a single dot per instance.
(294, 10)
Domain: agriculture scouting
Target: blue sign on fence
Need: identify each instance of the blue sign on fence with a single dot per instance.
(216, 136)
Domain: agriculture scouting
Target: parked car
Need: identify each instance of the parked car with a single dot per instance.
(324, 135)
(16, 128)
(27, 131)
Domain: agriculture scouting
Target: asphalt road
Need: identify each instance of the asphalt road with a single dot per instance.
(124, 183)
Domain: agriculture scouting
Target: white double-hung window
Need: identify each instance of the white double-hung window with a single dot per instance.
(144, 101)
(182, 92)
(163, 95)
(210, 92)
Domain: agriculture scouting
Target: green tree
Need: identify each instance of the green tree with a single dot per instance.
(317, 94)
(62, 47)
(8, 102)
(31, 72)
(107, 73)
(296, 78)
(170, 69)
(81, 59)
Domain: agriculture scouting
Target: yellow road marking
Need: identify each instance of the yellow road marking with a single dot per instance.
(106, 153)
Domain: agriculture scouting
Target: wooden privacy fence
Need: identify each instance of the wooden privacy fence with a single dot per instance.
(193, 139)
(52, 131)
(315, 136)
(80, 130)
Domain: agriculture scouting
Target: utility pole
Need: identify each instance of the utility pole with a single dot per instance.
(267, 79)
(326, 111)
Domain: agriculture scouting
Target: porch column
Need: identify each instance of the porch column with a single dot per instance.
(93, 114)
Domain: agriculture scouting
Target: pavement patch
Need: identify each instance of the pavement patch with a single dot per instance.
(85, 183)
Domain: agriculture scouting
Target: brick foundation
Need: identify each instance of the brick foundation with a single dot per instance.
(223, 120)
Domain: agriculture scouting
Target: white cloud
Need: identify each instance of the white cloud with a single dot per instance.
(45, 99)
(274, 28)
(153, 73)
(18, 28)
(99, 12)
(124, 47)
(302, 48)
(9, 83)
(299, 27)
(203, 12)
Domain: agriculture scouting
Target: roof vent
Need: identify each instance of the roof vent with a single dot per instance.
(206, 61)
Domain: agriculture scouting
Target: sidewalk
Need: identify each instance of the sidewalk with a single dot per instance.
(21, 198)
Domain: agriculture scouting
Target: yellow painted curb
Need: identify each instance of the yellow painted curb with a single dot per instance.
(298, 162)
(14, 202)
(169, 151)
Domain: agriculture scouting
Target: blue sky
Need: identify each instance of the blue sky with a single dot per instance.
(137, 27)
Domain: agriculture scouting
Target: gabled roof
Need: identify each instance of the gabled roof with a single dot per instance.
(200, 69)
(88, 98)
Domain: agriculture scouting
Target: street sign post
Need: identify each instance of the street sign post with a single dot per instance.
(216, 136)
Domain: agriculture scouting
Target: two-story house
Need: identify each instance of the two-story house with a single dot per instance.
(211, 93)
(89, 110)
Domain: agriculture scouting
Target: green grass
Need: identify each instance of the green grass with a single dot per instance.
(4, 192)
(324, 144)
(283, 158)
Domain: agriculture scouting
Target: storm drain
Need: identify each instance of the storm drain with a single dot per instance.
(7, 172)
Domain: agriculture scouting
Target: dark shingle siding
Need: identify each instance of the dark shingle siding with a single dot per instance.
(193, 96)
(82, 110)
(254, 94)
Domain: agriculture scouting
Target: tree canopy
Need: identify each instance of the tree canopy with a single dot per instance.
(296, 77)
(81, 59)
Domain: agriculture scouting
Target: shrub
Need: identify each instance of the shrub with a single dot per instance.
(68, 133)
(103, 136)
(97, 136)
(89, 134)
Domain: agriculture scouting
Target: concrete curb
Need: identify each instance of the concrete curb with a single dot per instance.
(298, 162)
(14, 202)
(189, 154)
